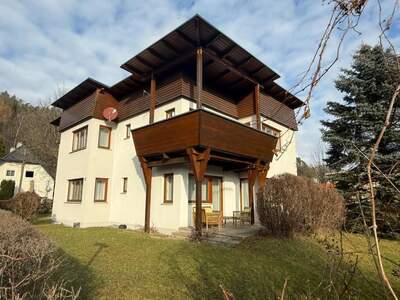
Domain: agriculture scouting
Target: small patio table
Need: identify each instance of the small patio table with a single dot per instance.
(234, 219)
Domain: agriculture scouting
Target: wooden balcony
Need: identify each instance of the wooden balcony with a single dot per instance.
(202, 129)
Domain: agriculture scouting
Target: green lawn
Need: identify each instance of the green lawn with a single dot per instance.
(121, 264)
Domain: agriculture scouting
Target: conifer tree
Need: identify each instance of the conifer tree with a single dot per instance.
(356, 122)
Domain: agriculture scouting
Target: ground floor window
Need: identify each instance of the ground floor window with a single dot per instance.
(244, 194)
(168, 188)
(192, 190)
(124, 184)
(10, 173)
(211, 191)
(75, 187)
(100, 190)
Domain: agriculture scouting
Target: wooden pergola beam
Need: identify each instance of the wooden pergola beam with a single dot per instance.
(168, 162)
(145, 62)
(236, 82)
(229, 51)
(135, 70)
(243, 62)
(235, 160)
(185, 38)
(174, 62)
(170, 47)
(228, 66)
(212, 40)
(157, 54)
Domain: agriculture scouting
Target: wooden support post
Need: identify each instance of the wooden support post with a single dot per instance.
(199, 162)
(199, 75)
(251, 178)
(262, 175)
(153, 98)
(147, 172)
(257, 105)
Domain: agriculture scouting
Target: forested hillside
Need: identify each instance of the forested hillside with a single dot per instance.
(30, 125)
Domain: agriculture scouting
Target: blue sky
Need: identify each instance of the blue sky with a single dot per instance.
(47, 44)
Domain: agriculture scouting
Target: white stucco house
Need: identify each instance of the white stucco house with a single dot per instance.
(21, 166)
(198, 122)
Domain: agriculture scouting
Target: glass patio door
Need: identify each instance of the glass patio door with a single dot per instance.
(211, 190)
(216, 193)
(244, 194)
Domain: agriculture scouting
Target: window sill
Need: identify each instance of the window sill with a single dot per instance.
(167, 203)
(74, 151)
(73, 202)
(100, 201)
(104, 148)
(123, 193)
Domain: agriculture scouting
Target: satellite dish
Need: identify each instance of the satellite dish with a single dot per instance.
(110, 114)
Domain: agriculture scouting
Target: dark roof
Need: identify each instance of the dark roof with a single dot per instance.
(20, 154)
(225, 62)
(81, 91)
(221, 54)
(197, 32)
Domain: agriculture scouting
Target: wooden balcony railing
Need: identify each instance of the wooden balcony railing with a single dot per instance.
(200, 128)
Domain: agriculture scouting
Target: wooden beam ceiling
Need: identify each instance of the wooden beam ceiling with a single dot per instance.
(229, 66)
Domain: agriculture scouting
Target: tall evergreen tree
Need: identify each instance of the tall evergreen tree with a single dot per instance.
(356, 122)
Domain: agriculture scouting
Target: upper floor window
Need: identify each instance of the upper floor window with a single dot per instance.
(170, 113)
(79, 139)
(29, 174)
(10, 173)
(104, 137)
(274, 132)
(100, 190)
(128, 131)
(168, 188)
(75, 188)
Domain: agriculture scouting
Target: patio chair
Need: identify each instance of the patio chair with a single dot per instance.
(245, 216)
(208, 217)
(242, 216)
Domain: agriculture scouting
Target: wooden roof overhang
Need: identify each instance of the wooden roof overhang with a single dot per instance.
(226, 64)
(167, 141)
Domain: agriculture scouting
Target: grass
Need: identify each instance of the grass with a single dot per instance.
(119, 264)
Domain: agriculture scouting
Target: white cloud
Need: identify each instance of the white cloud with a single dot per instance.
(47, 43)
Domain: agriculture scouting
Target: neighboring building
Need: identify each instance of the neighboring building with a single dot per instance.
(34, 177)
(197, 107)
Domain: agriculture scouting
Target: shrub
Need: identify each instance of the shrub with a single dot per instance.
(7, 189)
(46, 206)
(292, 204)
(25, 205)
(28, 263)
